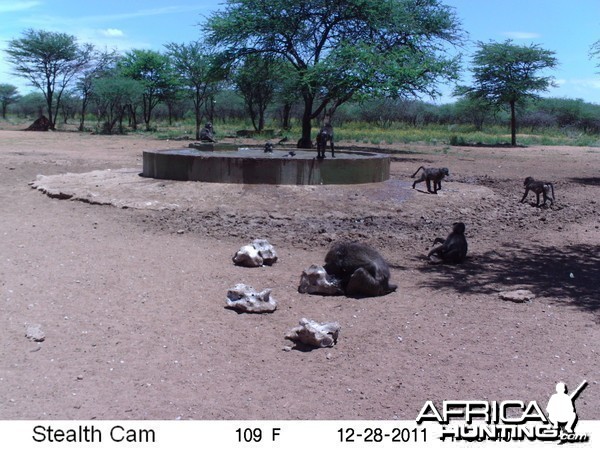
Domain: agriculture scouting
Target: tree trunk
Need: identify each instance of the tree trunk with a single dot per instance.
(513, 124)
(306, 141)
(49, 107)
(84, 102)
(198, 111)
(285, 116)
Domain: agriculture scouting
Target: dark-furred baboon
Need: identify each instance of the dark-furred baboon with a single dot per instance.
(538, 187)
(207, 134)
(325, 135)
(454, 247)
(431, 174)
(362, 271)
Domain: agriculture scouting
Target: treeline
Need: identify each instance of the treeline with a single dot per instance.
(253, 67)
(534, 116)
(228, 105)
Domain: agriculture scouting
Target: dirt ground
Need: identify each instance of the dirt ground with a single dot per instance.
(128, 286)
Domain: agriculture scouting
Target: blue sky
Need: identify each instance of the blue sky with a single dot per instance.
(567, 27)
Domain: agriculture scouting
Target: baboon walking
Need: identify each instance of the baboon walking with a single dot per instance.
(454, 247)
(538, 187)
(361, 270)
(431, 174)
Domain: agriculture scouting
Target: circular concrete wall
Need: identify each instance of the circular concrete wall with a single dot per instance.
(253, 166)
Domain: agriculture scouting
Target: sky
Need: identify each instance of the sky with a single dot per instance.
(566, 27)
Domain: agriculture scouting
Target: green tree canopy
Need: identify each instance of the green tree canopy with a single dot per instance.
(8, 94)
(505, 74)
(154, 71)
(101, 64)
(256, 80)
(50, 61)
(340, 49)
(197, 72)
(595, 51)
(113, 96)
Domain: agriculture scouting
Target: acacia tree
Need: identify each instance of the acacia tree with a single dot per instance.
(340, 49)
(100, 65)
(506, 74)
(153, 70)
(255, 79)
(595, 51)
(114, 95)
(8, 95)
(198, 74)
(50, 61)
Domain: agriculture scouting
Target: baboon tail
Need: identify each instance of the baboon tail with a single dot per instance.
(414, 174)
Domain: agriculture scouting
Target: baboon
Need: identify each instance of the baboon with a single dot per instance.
(454, 247)
(429, 174)
(539, 187)
(207, 133)
(268, 147)
(325, 135)
(361, 270)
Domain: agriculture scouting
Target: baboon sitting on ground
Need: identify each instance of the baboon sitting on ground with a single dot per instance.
(207, 134)
(454, 247)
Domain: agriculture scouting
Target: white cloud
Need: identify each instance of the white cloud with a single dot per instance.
(112, 32)
(6, 7)
(46, 21)
(521, 35)
(584, 83)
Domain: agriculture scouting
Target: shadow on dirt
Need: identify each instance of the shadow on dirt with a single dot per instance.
(570, 274)
(590, 181)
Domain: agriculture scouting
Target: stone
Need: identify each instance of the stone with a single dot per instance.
(315, 334)
(315, 280)
(256, 254)
(34, 332)
(247, 256)
(266, 251)
(517, 296)
(244, 298)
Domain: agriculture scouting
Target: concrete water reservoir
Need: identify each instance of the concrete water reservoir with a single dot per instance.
(254, 166)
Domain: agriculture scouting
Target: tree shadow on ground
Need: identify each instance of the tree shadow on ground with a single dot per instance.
(570, 274)
(587, 181)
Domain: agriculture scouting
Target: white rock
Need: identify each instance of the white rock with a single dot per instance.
(265, 250)
(315, 280)
(315, 334)
(257, 254)
(245, 299)
(35, 333)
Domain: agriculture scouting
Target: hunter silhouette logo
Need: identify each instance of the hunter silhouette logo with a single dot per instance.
(509, 420)
(561, 407)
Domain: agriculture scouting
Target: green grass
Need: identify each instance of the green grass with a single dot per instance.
(363, 133)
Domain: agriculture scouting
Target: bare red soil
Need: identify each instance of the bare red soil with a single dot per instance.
(129, 286)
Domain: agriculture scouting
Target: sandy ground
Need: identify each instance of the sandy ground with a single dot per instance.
(128, 287)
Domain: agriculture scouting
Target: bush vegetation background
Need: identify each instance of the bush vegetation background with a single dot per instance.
(547, 121)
